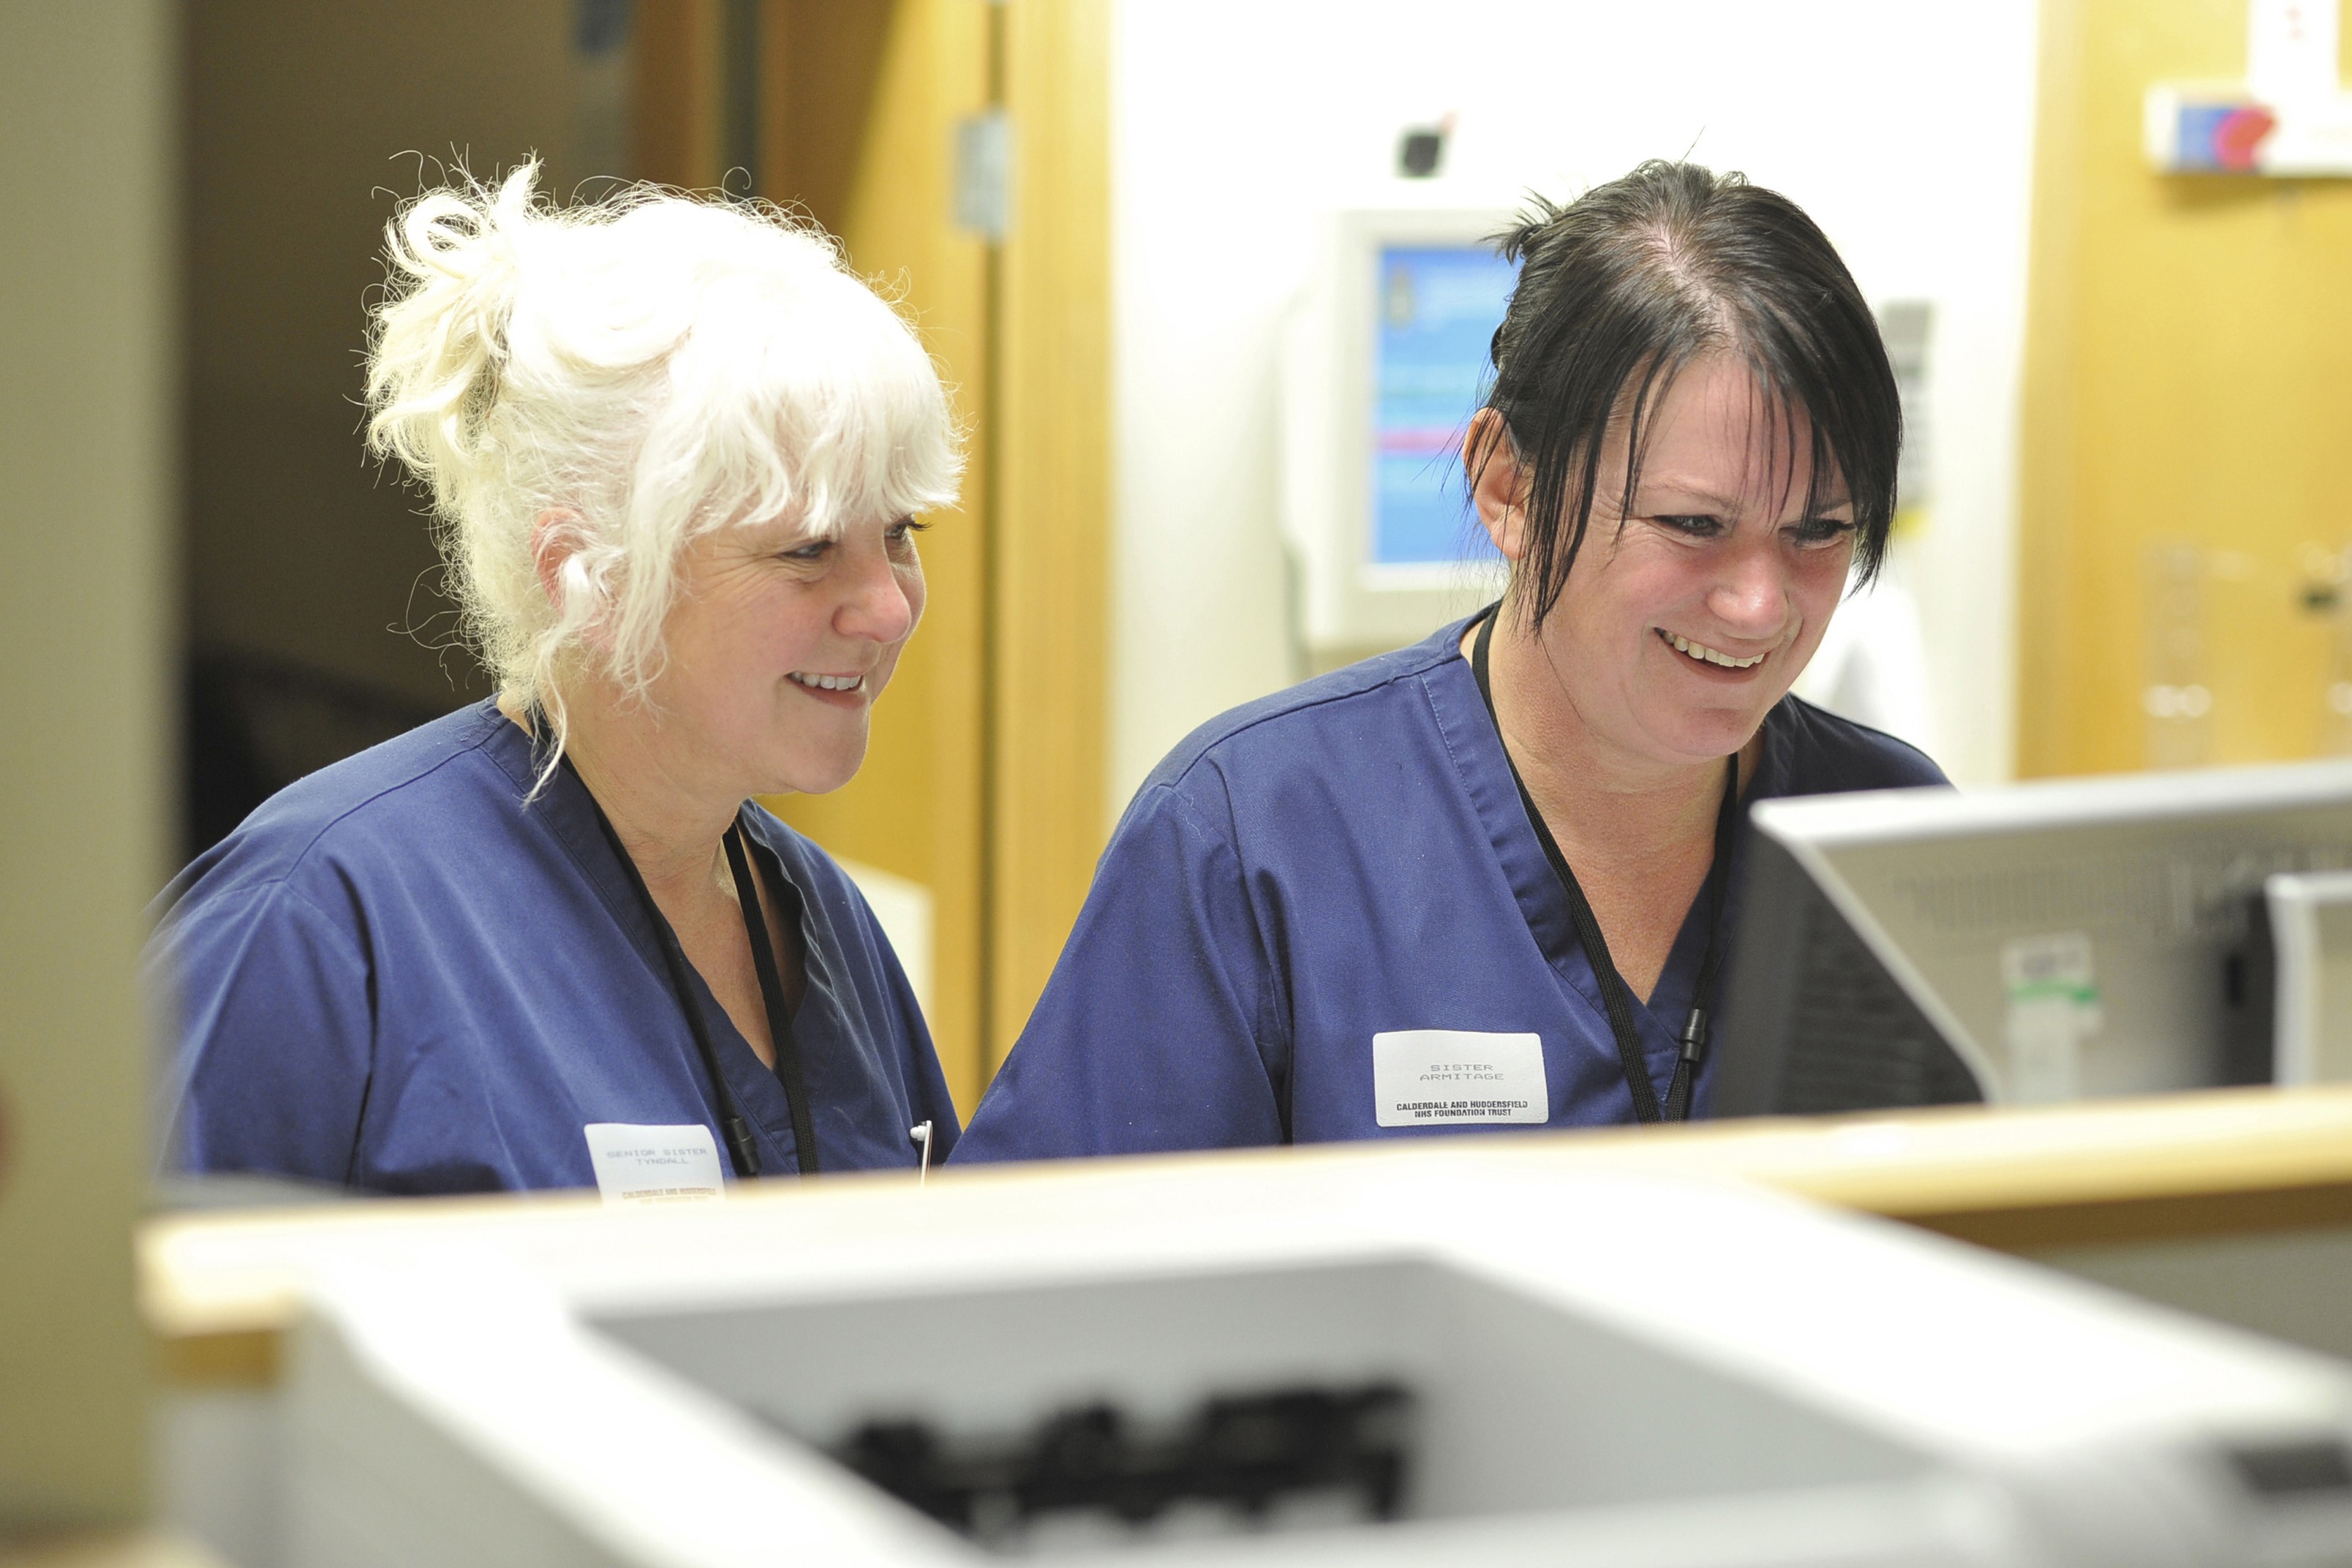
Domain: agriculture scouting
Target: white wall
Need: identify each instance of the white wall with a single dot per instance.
(1902, 126)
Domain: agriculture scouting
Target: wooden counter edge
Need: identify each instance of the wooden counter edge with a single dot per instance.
(2173, 1167)
(107, 1549)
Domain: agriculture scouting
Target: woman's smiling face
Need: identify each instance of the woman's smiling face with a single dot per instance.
(1690, 613)
(779, 646)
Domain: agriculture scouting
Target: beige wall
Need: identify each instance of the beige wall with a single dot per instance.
(85, 445)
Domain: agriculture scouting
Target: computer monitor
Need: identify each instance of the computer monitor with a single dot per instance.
(1438, 308)
(1383, 364)
(2048, 941)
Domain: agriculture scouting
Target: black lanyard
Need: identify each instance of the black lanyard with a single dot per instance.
(1615, 995)
(742, 1151)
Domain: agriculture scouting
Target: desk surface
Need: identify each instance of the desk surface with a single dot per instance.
(217, 1287)
(134, 1549)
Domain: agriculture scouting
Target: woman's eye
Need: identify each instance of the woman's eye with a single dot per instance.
(1697, 527)
(808, 554)
(1822, 531)
(903, 532)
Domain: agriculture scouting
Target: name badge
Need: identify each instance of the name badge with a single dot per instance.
(1443, 1077)
(654, 1165)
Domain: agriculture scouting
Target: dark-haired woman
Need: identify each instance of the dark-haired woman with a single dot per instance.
(1487, 880)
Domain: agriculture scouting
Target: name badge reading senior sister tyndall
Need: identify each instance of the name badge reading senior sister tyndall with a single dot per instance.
(654, 1165)
(1452, 1077)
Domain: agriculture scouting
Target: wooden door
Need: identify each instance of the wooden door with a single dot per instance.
(2188, 401)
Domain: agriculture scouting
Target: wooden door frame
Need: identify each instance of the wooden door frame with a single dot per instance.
(1050, 441)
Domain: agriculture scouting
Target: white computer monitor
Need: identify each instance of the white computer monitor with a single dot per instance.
(2047, 941)
(1384, 362)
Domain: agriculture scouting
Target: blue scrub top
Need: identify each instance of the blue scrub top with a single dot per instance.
(399, 977)
(1342, 859)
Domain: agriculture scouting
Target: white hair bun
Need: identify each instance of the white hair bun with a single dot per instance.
(454, 258)
(652, 365)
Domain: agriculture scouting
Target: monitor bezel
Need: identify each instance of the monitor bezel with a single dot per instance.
(1348, 600)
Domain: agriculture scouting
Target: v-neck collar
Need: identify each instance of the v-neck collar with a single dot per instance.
(1484, 771)
(565, 811)
(820, 985)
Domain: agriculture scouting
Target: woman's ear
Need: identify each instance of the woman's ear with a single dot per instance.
(555, 538)
(1498, 483)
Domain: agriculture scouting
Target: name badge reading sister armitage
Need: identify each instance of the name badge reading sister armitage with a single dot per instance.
(1458, 1077)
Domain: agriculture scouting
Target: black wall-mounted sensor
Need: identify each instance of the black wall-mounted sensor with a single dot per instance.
(1420, 151)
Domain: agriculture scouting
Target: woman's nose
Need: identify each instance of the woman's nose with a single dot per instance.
(876, 604)
(1749, 595)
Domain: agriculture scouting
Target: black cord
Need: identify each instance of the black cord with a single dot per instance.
(772, 993)
(742, 1153)
(1718, 875)
(1616, 996)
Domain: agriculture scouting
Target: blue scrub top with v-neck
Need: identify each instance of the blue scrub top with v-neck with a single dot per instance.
(401, 976)
(1345, 859)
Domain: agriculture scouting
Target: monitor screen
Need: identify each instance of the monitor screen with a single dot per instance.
(1438, 307)
(2056, 940)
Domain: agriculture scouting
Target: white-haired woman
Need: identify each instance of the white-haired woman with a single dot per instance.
(676, 452)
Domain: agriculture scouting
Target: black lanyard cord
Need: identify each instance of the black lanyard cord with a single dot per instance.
(1616, 996)
(742, 1150)
(771, 992)
(1718, 877)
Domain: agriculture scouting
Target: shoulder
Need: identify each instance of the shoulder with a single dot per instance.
(385, 800)
(1298, 727)
(1814, 752)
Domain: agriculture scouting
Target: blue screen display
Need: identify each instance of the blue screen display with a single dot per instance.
(1438, 309)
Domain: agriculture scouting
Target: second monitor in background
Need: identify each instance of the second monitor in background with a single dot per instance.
(1384, 362)
(2050, 941)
